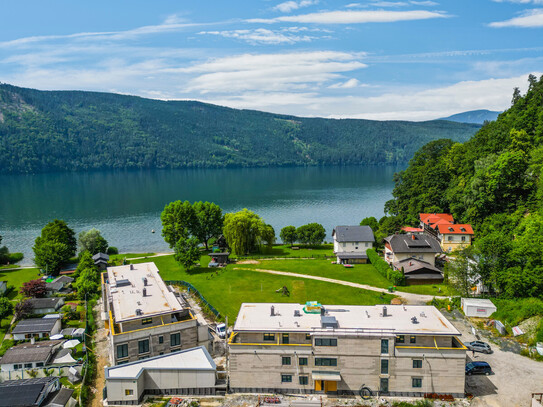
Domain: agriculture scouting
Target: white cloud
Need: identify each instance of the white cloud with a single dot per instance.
(354, 17)
(288, 6)
(263, 36)
(528, 19)
(520, 1)
(351, 83)
(424, 3)
(389, 4)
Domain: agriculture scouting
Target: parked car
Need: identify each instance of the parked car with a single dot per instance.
(478, 368)
(221, 330)
(478, 346)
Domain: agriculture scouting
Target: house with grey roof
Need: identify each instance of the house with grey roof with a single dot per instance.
(419, 272)
(36, 328)
(29, 355)
(404, 246)
(351, 243)
(101, 260)
(37, 392)
(60, 284)
(46, 305)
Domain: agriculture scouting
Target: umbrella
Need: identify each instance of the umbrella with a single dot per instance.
(57, 336)
(70, 344)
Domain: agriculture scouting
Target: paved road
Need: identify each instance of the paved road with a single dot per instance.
(410, 298)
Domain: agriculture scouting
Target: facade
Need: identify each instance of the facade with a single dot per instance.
(410, 246)
(395, 350)
(46, 305)
(29, 356)
(454, 236)
(430, 221)
(190, 371)
(478, 307)
(419, 272)
(351, 243)
(144, 317)
(36, 328)
(28, 392)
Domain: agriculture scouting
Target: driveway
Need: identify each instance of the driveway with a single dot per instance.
(514, 380)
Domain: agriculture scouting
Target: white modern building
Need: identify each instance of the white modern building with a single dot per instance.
(190, 371)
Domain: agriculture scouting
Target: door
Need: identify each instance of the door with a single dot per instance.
(330, 386)
(318, 385)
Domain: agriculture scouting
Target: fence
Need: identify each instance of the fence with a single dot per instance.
(60, 371)
(195, 290)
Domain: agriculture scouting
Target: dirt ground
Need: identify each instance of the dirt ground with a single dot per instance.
(101, 352)
(514, 380)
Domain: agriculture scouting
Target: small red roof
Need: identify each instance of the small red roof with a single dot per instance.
(433, 218)
(455, 229)
(412, 230)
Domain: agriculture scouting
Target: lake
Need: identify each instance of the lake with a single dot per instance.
(126, 205)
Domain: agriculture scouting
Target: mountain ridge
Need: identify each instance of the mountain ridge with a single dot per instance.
(473, 116)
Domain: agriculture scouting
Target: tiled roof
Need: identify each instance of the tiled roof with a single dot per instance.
(353, 234)
(432, 219)
(413, 244)
(26, 352)
(456, 229)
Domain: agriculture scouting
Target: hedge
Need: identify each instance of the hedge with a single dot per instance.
(394, 276)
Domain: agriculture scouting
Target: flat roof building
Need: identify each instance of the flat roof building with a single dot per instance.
(393, 349)
(190, 371)
(144, 316)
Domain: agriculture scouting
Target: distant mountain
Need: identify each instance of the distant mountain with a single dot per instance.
(473, 116)
(44, 131)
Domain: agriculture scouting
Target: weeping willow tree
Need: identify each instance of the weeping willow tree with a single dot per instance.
(245, 232)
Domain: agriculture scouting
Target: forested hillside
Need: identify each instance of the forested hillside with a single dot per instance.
(71, 131)
(493, 181)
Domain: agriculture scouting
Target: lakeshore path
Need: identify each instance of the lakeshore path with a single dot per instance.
(410, 298)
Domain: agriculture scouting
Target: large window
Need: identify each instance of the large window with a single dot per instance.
(143, 346)
(417, 364)
(129, 392)
(384, 346)
(160, 339)
(304, 380)
(412, 339)
(286, 378)
(325, 362)
(269, 337)
(122, 351)
(325, 342)
(28, 365)
(285, 360)
(307, 337)
(285, 339)
(302, 361)
(416, 382)
(400, 339)
(384, 366)
(175, 339)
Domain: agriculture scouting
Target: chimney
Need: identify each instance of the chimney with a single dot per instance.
(413, 236)
(144, 281)
(272, 313)
(385, 311)
(323, 311)
(131, 267)
(144, 291)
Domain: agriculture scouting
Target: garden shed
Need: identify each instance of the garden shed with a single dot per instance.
(478, 307)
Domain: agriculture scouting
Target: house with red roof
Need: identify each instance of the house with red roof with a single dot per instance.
(454, 236)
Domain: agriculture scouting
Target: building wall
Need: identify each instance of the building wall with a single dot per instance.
(11, 366)
(357, 247)
(55, 330)
(455, 243)
(392, 257)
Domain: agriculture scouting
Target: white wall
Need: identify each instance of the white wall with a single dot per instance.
(356, 247)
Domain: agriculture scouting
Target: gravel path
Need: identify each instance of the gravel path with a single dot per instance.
(410, 298)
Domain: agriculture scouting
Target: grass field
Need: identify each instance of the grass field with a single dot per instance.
(284, 250)
(360, 273)
(226, 289)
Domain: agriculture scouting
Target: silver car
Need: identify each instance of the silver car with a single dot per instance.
(478, 346)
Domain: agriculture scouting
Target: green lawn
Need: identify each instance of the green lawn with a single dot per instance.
(360, 273)
(121, 256)
(284, 250)
(17, 278)
(226, 289)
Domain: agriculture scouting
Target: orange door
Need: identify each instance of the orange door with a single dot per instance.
(330, 386)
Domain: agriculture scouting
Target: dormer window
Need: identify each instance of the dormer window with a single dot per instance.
(451, 229)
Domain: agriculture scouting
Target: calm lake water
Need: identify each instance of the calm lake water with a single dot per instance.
(126, 205)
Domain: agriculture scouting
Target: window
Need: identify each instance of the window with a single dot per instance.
(302, 361)
(304, 380)
(356, 247)
(450, 238)
(122, 351)
(417, 364)
(307, 337)
(28, 365)
(325, 342)
(39, 364)
(17, 367)
(160, 339)
(123, 362)
(129, 392)
(366, 244)
(463, 238)
(384, 346)
(416, 382)
(175, 339)
(143, 346)
(285, 360)
(400, 339)
(146, 321)
(412, 339)
(384, 366)
(383, 385)
(285, 339)
(269, 337)
(343, 244)
(286, 378)
(325, 362)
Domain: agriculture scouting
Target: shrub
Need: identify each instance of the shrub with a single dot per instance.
(515, 311)
(112, 250)
(394, 276)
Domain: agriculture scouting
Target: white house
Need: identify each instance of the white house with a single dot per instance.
(29, 355)
(351, 243)
(46, 305)
(36, 328)
(411, 246)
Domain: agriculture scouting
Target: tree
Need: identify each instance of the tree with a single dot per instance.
(178, 220)
(371, 222)
(50, 256)
(516, 96)
(462, 271)
(243, 231)
(92, 241)
(23, 309)
(34, 289)
(87, 283)
(186, 252)
(6, 308)
(312, 233)
(209, 221)
(288, 235)
(58, 231)
(85, 262)
(267, 235)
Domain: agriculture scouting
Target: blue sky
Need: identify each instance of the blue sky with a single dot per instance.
(397, 59)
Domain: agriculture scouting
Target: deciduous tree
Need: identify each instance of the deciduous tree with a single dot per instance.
(178, 220)
(23, 309)
(6, 307)
(186, 252)
(34, 289)
(312, 233)
(209, 221)
(243, 231)
(92, 241)
(288, 235)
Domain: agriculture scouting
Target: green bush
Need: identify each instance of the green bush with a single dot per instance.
(394, 276)
(15, 258)
(515, 311)
(112, 250)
